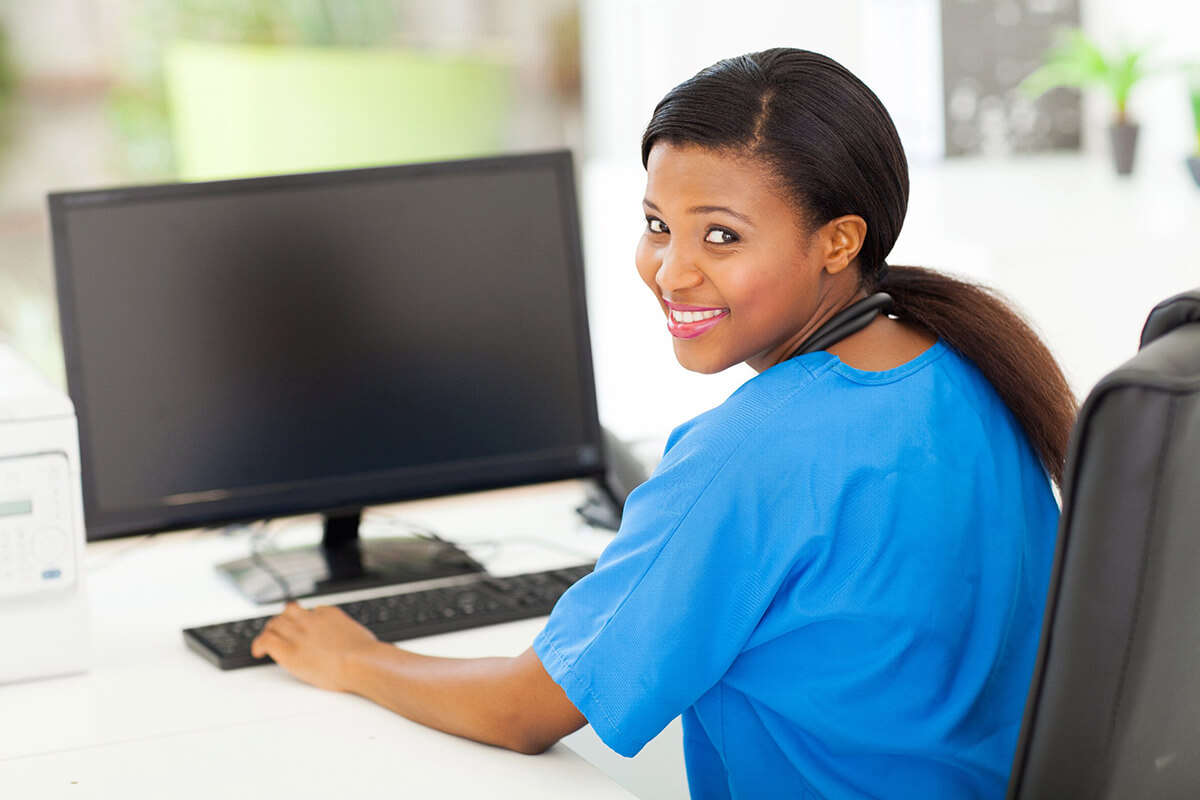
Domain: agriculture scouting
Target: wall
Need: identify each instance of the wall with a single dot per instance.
(634, 51)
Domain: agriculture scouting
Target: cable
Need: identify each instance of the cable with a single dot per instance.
(415, 528)
(259, 533)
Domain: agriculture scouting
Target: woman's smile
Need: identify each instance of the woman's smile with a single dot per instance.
(688, 322)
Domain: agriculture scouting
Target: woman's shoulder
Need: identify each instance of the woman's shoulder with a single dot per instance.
(815, 412)
(754, 404)
(771, 409)
(819, 388)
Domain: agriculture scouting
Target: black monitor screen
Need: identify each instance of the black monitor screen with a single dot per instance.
(269, 346)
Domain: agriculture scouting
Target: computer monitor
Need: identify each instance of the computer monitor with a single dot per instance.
(277, 346)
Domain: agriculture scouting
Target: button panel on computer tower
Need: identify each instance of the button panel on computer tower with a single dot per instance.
(36, 551)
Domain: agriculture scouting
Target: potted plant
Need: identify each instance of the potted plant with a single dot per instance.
(1076, 61)
(1193, 73)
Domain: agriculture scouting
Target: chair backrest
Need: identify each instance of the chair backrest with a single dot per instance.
(1114, 707)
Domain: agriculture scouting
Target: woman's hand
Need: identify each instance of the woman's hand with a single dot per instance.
(510, 702)
(313, 644)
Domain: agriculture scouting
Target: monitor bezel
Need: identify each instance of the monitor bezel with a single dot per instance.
(330, 495)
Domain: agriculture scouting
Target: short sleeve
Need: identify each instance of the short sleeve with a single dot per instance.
(674, 597)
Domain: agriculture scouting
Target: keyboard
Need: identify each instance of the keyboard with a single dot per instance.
(485, 600)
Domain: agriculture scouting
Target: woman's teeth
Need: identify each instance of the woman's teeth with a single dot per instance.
(695, 316)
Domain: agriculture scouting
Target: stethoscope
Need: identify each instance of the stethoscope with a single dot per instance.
(851, 319)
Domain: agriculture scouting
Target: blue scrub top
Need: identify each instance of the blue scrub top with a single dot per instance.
(837, 577)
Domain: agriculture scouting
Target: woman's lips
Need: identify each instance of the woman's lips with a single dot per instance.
(688, 322)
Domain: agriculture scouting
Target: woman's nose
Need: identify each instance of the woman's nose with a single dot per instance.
(678, 270)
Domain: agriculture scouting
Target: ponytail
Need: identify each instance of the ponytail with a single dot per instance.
(983, 327)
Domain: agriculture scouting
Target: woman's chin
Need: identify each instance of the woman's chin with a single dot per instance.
(702, 363)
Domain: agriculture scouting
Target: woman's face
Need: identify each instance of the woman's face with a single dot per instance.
(725, 254)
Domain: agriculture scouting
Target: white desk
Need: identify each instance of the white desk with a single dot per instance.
(151, 719)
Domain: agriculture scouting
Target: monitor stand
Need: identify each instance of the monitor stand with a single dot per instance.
(343, 562)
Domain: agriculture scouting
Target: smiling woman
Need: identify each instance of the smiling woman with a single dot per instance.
(837, 576)
(723, 253)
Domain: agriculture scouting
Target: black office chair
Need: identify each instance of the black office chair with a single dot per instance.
(1114, 707)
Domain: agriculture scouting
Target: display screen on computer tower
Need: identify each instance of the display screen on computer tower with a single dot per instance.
(273, 346)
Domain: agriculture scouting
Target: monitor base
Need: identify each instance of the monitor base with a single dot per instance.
(361, 564)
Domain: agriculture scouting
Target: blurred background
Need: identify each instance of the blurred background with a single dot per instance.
(1014, 186)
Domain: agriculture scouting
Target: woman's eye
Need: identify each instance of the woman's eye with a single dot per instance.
(655, 225)
(720, 236)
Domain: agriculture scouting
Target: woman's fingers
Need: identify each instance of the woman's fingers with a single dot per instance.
(311, 644)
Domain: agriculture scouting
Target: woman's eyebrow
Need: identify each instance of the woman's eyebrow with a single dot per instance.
(719, 209)
(704, 210)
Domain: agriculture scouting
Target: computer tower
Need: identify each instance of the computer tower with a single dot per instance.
(43, 600)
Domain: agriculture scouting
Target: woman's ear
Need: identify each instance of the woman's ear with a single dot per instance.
(843, 238)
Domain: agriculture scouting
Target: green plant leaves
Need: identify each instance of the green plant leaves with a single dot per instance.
(1076, 61)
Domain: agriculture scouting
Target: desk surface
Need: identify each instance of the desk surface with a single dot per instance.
(152, 719)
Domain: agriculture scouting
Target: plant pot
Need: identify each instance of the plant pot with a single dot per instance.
(1123, 136)
(1193, 163)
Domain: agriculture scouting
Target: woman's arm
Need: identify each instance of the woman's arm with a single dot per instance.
(510, 702)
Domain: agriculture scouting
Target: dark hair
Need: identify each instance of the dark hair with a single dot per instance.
(831, 145)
